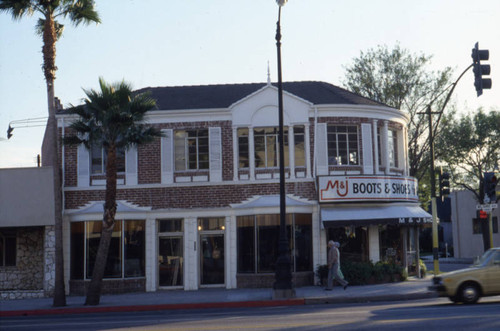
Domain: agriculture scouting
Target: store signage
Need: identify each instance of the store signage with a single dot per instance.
(367, 188)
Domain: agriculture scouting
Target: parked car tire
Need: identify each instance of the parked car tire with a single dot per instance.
(469, 293)
(455, 299)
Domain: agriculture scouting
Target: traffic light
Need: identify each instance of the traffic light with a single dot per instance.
(9, 132)
(444, 184)
(483, 215)
(480, 69)
(490, 184)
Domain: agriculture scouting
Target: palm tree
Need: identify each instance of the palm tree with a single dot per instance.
(111, 118)
(78, 11)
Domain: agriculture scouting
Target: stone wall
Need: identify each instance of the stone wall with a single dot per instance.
(27, 276)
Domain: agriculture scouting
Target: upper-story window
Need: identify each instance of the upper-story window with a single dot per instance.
(191, 149)
(243, 156)
(98, 159)
(299, 148)
(392, 138)
(343, 145)
(267, 148)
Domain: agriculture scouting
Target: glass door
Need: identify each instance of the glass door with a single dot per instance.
(212, 259)
(170, 259)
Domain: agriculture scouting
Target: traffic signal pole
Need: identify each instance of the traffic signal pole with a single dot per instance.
(435, 241)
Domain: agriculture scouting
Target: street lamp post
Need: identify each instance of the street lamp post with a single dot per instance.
(283, 279)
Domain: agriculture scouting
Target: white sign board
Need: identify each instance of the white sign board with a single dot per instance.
(367, 188)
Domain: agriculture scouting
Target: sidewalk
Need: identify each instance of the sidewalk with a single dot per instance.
(412, 289)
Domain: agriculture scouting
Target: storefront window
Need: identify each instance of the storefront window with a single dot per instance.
(353, 242)
(246, 244)
(390, 244)
(258, 237)
(126, 255)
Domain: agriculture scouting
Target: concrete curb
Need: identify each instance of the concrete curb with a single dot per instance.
(185, 306)
(208, 305)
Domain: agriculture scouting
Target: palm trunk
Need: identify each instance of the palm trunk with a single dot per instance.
(108, 222)
(49, 68)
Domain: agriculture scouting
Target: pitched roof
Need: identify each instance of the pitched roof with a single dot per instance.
(223, 96)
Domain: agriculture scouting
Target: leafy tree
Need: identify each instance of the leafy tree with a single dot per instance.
(402, 80)
(78, 11)
(112, 118)
(472, 144)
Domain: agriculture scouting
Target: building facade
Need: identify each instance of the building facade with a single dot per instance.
(199, 207)
(27, 245)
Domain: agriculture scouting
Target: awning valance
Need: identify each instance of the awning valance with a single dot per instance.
(360, 216)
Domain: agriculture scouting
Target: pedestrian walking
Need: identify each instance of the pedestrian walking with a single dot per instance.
(333, 260)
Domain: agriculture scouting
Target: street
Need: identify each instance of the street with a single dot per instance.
(431, 314)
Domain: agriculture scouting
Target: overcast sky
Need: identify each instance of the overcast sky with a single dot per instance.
(193, 42)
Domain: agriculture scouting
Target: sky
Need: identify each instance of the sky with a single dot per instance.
(200, 42)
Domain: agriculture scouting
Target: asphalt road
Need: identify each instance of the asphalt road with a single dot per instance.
(430, 314)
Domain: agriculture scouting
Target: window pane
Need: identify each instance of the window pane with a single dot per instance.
(268, 237)
(171, 261)
(180, 149)
(113, 266)
(170, 225)
(212, 223)
(246, 244)
(260, 152)
(96, 159)
(77, 250)
(271, 154)
(134, 248)
(300, 159)
(10, 251)
(303, 242)
(120, 160)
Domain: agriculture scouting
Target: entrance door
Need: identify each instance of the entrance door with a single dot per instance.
(170, 261)
(212, 259)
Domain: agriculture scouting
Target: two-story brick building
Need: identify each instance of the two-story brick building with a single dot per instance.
(199, 207)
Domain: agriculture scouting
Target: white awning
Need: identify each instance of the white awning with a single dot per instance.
(344, 216)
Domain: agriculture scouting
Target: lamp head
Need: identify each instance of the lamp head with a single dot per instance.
(281, 3)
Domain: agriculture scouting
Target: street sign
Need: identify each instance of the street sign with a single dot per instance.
(487, 207)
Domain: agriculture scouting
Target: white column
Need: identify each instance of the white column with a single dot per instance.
(235, 153)
(231, 251)
(151, 255)
(385, 149)
(367, 144)
(373, 243)
(251, 152)
(375, 146)
(291, 151)
(191, 254)
(319, 240)
(307, 146)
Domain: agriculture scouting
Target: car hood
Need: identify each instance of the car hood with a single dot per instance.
(460, 272)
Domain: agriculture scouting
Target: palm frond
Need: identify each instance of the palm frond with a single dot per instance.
(17, 8)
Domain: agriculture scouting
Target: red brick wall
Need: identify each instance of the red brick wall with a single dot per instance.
(208, 196)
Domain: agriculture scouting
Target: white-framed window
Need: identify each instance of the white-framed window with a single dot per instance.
(243, 154)
(98, 160)
(191, 149)
(299, 148)
(343, 146)
(267, 147)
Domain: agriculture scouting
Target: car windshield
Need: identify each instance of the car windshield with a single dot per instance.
(486, 258)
